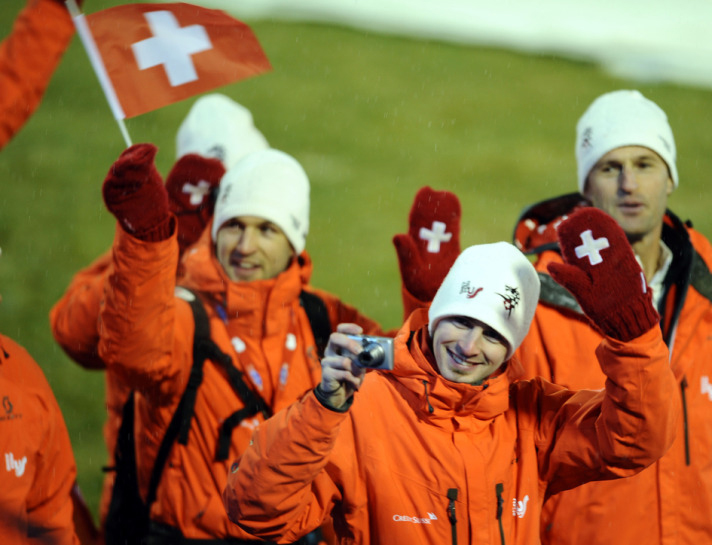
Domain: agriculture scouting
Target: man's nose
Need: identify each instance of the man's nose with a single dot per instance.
(470, 342)
(248, 241)
(628, 179)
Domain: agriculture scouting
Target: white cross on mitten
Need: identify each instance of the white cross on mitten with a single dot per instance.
(191, 184)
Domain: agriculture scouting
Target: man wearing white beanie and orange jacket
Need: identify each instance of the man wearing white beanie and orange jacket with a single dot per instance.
(626, 159)
(250, 275)
(215, 134)
(448, 447)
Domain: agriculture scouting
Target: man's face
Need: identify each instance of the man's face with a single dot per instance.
(251, 248)
(631, 184)
(467, 350)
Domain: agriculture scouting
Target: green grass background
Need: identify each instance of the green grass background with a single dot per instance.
(372, 118)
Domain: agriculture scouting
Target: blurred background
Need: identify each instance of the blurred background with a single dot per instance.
(375, 99)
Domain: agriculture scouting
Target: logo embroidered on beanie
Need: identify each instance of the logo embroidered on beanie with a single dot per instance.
(586, 138)
(511, 300)
(470, 291)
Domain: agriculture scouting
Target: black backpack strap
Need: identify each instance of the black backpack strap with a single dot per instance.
(253, 404)
(183, 416)
(203, 348)
(318, 316)
(127, 516)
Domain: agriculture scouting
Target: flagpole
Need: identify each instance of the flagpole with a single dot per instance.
(92, 51)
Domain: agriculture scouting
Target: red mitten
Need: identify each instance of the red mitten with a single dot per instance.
(432, 244)
(601, 271)
(192, 186)
(134, 193)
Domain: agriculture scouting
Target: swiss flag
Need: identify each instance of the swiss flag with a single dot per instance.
(157, 54)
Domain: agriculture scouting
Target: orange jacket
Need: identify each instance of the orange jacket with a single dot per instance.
(73, 321)
(671, 501)
(37, 470)
(147, 341)
(388, 465)
(28, 58)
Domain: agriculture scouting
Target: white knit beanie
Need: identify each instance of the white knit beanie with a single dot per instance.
(493, 283)
(622, 118)
(268, 184)
(217, 127)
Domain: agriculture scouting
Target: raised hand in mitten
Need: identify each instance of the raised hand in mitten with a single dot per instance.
(601, 271)
(192, 184)
(428, 250)
(134, 193)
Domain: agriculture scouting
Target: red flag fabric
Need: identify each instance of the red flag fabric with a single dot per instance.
(157, 54)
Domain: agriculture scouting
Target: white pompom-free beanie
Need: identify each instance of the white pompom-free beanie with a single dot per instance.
(493, 283)
(622, 118)
(269, 184)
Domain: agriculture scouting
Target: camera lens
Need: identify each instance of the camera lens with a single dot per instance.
(372, 355)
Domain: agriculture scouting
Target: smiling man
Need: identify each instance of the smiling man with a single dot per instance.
(626, 158)
(448, 447)
(250, 274)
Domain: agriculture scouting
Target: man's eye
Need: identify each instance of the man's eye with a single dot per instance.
(461, 322)
(493, 336)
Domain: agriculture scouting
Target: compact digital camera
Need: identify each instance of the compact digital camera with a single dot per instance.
(377, 352)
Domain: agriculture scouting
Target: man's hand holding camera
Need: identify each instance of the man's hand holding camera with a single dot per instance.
(341, 376)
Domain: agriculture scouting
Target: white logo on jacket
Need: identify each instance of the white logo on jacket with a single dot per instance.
(706, 387)
(519, 508)
(414, 520)
(18, 466)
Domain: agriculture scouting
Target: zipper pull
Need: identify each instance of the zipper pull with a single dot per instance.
(499, 489)
(452, 496)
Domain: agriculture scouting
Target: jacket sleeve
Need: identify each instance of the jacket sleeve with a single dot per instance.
(49, 502)
(610, 433)
(28, 58)
(139, 321)
(74, 318)
(283, 487)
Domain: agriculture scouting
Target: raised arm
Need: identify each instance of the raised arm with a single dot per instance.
(631, 423)
(28, 58)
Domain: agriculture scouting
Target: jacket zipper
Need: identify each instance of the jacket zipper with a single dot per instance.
(452, 496)
(430, 407)
(683, 387)
(499, 489)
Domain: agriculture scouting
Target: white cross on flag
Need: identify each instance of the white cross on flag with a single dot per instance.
(157, 54)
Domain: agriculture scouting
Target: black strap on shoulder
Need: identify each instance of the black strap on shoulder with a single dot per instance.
(318, 316)
(182, 417)
(320, 324)
(204, 348)
(254, 404)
